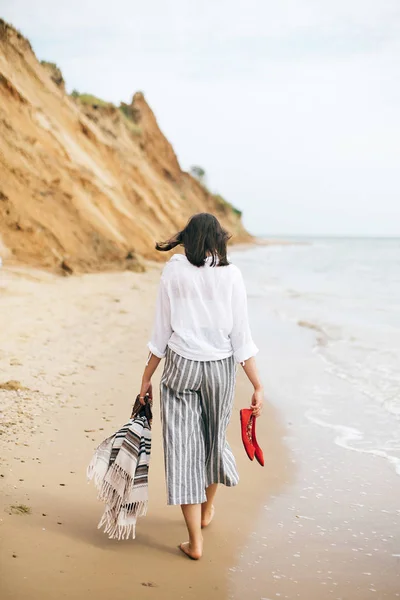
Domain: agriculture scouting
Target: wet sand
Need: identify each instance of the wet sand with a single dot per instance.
(77, 346)
(333, 532)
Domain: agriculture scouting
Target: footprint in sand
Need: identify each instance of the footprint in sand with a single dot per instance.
(15, 362)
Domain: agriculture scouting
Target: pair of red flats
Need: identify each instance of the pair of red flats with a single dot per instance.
(248, 423)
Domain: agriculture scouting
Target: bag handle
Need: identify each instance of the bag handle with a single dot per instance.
(140, 409)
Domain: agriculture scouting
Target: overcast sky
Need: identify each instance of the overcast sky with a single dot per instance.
(291, 106)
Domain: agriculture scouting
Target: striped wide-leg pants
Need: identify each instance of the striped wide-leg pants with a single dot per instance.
(196, 406)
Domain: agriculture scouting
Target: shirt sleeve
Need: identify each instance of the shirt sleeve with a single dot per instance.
(241, 339)
(162, 329)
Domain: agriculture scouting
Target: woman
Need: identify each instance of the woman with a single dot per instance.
(201, 327)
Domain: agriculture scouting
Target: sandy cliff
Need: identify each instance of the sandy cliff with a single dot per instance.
(85, 183)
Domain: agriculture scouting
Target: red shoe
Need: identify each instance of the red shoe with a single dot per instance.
(246, 420)
(258, 452)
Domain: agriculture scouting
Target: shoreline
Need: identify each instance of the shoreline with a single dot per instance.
(332, 532)
(79, 345)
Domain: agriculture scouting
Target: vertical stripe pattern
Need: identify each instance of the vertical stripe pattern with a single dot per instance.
(196, 406)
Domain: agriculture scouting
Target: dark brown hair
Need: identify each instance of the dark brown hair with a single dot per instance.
(203, 236)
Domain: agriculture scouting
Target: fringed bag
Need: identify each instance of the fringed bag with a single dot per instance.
(119, 468)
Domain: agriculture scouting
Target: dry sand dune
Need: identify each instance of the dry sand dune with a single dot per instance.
(86, 182)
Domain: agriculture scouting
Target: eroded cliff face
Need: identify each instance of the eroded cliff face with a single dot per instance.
(86, 184)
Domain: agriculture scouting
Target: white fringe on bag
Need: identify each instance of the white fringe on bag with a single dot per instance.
(119, 469)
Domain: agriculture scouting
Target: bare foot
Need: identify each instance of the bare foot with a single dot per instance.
(207, 517)
(192, 552)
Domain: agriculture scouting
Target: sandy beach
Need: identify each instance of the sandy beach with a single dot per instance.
(281, 123)
(318, 522)
(77, 348)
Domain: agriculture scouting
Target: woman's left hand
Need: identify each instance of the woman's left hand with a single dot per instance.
(257, 402)
(146, 388)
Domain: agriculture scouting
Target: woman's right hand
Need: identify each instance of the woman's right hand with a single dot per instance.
(257, 402)
(145, 388)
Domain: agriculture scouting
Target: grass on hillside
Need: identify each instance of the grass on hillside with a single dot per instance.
(55, 72)
(132, 126)
(90, 99)
(226, 206)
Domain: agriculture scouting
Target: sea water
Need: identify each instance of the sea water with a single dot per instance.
(346, 292)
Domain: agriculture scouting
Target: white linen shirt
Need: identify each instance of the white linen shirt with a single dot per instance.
(201, 312)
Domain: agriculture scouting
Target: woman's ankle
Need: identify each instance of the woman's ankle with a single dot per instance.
(207, 516)
(196, 541)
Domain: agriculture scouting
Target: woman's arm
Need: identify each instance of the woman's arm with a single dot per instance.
(162, 331)
(243, 346)
(241, 338)
(146, 387)
(250, 368)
